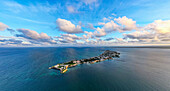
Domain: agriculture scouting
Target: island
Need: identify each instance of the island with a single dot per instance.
(104, 56)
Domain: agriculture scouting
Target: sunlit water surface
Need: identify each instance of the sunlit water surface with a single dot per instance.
(137, 69)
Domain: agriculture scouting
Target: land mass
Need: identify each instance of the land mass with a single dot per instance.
(104, 56)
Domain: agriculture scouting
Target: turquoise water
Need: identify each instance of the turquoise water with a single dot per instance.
(137, 69)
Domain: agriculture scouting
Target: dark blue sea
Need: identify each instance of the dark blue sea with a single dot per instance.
(137, 69)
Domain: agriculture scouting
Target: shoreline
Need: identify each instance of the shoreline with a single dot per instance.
(104, 56)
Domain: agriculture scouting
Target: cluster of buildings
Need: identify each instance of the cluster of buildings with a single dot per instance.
(61, 67)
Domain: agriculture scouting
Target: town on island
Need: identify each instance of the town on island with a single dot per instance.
(104, 56)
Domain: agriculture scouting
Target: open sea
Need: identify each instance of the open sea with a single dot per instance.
(137, 69)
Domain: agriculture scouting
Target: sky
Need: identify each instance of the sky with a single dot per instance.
(84, 22)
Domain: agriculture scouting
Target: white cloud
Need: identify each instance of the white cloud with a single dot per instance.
(110, 26)
(90, 26)
(159, 26)
(125, 24)
(120, 39)
(88, 35)
(68, 27)
(33, 34)
(105, 19)
(98, 42)
(128, 24)
(158, 31)
(140, 35)
(107, 28)
(113, 14)
(99, 32)
(68, 38)
(3, 26)
(10, 42)
(73, 36)
(101, 23)
(71, 9)
(34, 37)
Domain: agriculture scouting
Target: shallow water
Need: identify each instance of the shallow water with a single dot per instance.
(137, 69)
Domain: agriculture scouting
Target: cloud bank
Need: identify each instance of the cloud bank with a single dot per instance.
(155, 32)
(34, 37)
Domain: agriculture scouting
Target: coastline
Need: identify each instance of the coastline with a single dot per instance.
(63, 67)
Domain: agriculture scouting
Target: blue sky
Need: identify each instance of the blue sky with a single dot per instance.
(84, 22)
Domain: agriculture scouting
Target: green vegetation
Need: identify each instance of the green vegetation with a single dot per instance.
(69, 63)
(59, 66)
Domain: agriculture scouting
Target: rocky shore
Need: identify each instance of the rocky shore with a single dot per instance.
(104, 56)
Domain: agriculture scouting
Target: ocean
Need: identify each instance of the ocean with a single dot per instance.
(137, 69)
